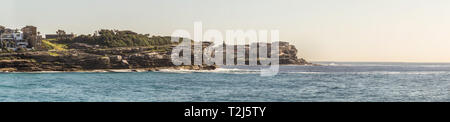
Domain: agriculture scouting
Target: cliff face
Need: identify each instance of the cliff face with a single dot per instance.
(288, 55)
(82, 61)
(84, 57)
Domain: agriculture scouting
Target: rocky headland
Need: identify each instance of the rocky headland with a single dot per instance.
(109, 50)
(84, 57)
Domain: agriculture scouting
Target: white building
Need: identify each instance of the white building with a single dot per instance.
(13, 40)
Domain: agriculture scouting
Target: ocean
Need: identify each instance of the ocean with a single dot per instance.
(331, 82)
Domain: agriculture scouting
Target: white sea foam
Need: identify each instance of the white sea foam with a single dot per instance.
(176, 71)
(305, 72)
(332, 64)
(218, 70)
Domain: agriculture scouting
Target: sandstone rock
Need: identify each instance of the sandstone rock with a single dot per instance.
(116, 58)
(154, 55)
(125, 62)
(81, 46)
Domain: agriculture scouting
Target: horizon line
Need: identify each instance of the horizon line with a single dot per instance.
(312, 61)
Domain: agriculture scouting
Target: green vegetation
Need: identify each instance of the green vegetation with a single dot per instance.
(5, 50)
(8, 58)
(55, 49)
(54, 46)
(21, 50)
(53, 53)
(116, 38)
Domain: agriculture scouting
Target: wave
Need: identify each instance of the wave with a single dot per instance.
(431, 65)
(282, 71)
(375, 72)
(218, 70)
(304, 72)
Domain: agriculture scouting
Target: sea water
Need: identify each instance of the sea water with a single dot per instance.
(341, 81)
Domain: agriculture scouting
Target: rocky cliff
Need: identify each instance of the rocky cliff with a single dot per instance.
(82, 61)
(287, 53)
(82, 57)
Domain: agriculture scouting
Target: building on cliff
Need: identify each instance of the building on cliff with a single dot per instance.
(13, 39)
(2, 29)
(60, 34)
(31, 35)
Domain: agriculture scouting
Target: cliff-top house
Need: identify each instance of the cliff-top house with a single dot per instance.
(13, 39)
(60, 34)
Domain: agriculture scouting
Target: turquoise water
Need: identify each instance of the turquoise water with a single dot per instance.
(330, 82)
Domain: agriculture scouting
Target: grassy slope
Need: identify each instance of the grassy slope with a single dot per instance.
(53, 47)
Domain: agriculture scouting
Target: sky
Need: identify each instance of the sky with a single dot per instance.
(322, 30)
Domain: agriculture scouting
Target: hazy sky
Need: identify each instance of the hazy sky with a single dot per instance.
(322, 30)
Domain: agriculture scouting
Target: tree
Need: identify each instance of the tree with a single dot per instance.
(116, 38)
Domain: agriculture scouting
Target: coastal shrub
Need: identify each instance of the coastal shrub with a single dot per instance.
(116, 38)
(53, 46)
(53, 53)
(21, 50)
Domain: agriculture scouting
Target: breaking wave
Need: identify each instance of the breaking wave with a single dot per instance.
(218, 70)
